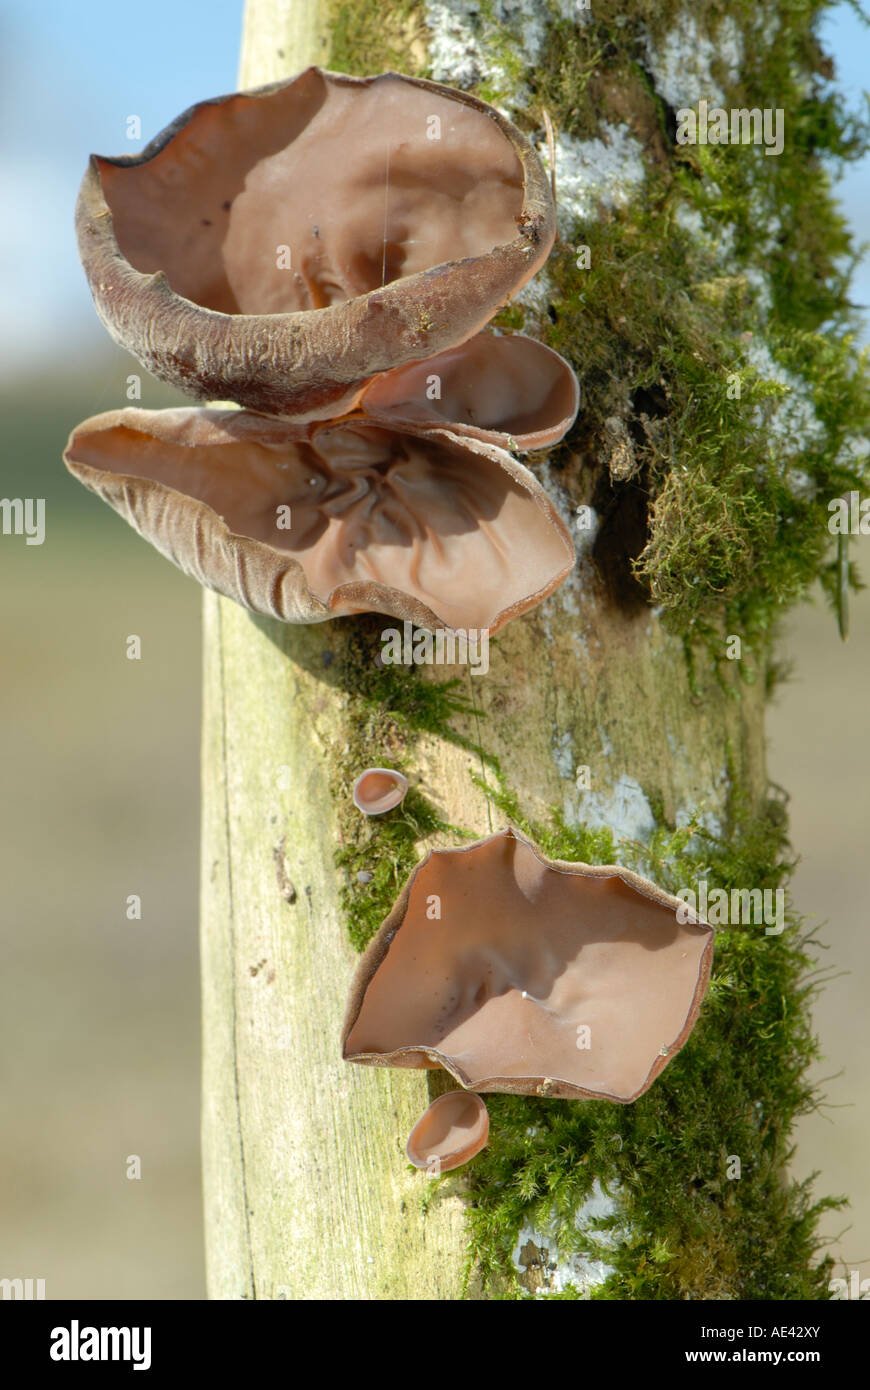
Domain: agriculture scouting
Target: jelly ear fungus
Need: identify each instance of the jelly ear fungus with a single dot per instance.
(537, 976)
(450, 1133)
(283, 246)
(309, 522)
(378, 790)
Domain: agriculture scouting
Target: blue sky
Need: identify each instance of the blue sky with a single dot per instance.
(71, 72)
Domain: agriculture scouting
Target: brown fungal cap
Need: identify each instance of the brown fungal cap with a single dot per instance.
(379, 789)
(281, 247)
(512, 391)
(452, 1131)
(535, 976)
(309, 522)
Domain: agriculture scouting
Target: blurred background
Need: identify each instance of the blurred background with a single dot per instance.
(99, 755)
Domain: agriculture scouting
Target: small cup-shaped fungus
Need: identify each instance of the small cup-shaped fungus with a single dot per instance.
(283, 246)
(305, 522)
(512, 391)
(452, 1131)
(519, 973)
(379, 789)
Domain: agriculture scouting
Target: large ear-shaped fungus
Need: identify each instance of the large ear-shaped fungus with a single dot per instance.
(452, 1131)
(512, 391)
(309, 522)
(280, 247)
(534, 976)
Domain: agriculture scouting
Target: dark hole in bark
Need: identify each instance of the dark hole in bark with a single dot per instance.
(670, 115)
(648, 400)
(621, 537)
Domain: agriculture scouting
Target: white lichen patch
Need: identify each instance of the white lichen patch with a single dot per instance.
(790, 420)
(759, 283)
(570, 602)
(546, 1269)
(586, 524)
(556, 493)
(568, 598)
(468, 39)
(800, 484)
(763, 26)
(717, 239)
(563, 754)
(854, 451)
(691, 220)
(456, 49)
(590, 174)
(707, 808)
(574, 591)
(623, 809)
(534, 299)
(682, 63)
(579, 11)
(466, 36)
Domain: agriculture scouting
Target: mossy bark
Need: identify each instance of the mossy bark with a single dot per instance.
(307, 1190)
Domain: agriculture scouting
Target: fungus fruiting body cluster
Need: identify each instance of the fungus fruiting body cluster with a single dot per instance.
(368, 469)
(365, 465)
(523, 974)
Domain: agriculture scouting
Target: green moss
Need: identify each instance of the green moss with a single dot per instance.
(660, 334)
(366, 38)
(504, 53)
(387, 848)
(685, 1229)
(415, 704)
(558, 840)
(388, 708)
(655, 329)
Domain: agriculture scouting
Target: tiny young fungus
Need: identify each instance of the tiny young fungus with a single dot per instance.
(281, 247)
(452, 1131)
(379, 789)
(519, 973)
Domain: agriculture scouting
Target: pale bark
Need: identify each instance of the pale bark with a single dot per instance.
(307, 1190)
